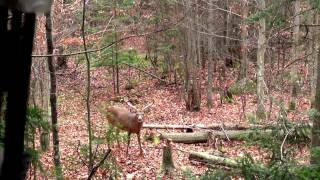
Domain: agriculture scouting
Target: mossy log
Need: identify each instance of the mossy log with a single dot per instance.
(212, 159)
(222, 161)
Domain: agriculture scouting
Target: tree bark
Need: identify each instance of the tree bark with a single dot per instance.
(211, 159)
(88, 89)
(203, 137)
(295, 52)
(314, 64)
(187, 138)
(227, 126)
(315, 137)
(192, 84)
(210, 57)
(167, 161)
(223, 161)
(53, 99)
(244, 43)
(260, 62)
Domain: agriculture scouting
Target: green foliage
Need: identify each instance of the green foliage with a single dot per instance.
(292, 105)
(243, 86)
(35, 160)
(313, 113)
(36, 120)
(129, 56)
(308, 172)
(260, 112)
(278, 20)
(251, 117)
(316, 3)
(156, 140)
(110, 164)
(113, 135)
(276, 170)
(188, 174)
(259, 15)
(217, 174)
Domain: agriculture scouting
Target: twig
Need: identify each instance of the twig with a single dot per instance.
(146, 72)
(95, 168)
(109, 45)
(221, 126)
(284, 140)
(88, 88)
(83, 162)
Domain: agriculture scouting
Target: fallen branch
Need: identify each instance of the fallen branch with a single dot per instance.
(211, 159)
(146, 72)
(222, 161)
(95, 168)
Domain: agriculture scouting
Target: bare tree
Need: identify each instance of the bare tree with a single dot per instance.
(244, 43)
(260, 62)
(210, 54)
(53, 99)
(294, 53)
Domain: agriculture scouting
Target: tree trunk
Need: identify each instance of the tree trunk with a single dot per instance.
(315, 138)
(226, 33)
(88, 89)
(295, 52)
(260, 62)
(314, 61)
(244, 43)
(210, 57)
(53, 100)
(167, 162)
(193, 94)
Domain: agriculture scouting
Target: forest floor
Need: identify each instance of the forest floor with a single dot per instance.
(169, 108)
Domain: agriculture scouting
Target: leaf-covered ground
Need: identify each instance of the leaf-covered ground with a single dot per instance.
(168, 108)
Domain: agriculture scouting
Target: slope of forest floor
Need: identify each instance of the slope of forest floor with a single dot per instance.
(169, 108)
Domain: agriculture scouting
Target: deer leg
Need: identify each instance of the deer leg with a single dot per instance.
(128, 142)
(141, 153)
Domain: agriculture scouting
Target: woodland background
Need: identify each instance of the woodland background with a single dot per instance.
(243, 73)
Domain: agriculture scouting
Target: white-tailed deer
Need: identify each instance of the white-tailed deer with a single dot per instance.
(128, 121)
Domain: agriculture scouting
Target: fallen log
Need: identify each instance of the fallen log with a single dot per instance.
(216, 126)
(203, 137)
(222, 161)
(187, 138)
(212, 159)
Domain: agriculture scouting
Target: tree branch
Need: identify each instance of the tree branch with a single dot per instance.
(111, 44)
(95, 168)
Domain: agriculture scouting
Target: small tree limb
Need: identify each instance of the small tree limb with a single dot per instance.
(146, 72)
(95, 168)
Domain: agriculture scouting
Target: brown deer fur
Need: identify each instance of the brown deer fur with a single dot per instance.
(122, 119)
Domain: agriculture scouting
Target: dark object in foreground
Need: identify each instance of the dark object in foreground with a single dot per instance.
(16, 42)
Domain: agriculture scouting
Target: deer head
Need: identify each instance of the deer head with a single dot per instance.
(139, 113)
